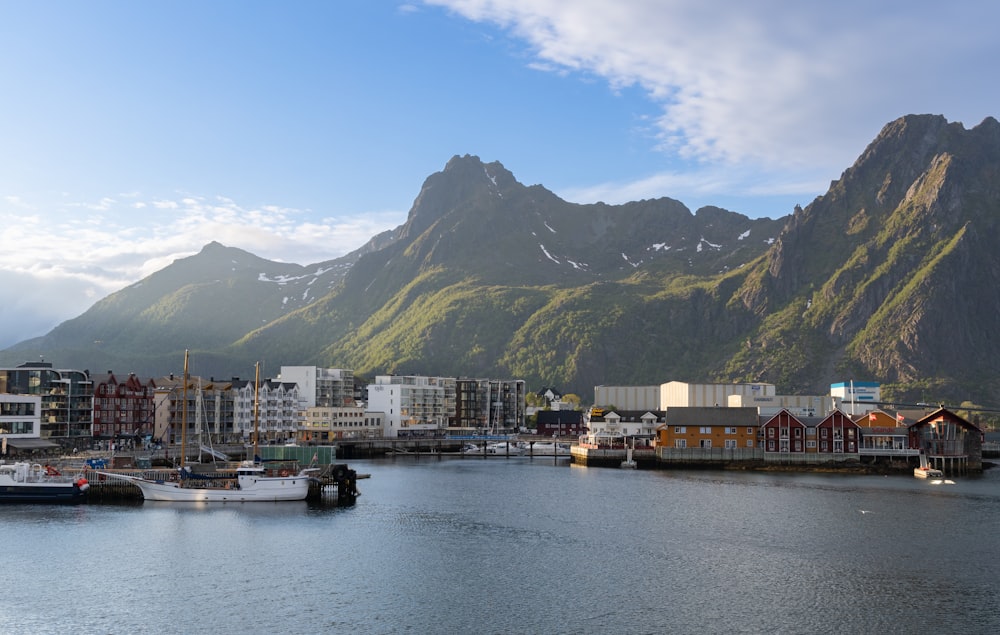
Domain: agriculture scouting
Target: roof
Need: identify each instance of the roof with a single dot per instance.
(30, 443)
(711, 416)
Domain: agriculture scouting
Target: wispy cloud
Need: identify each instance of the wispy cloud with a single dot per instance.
(787, 91)
(80, 251)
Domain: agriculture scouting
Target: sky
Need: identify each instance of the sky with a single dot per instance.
(134, 133)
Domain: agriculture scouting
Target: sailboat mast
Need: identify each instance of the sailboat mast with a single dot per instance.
(256, 408)
(184, 419)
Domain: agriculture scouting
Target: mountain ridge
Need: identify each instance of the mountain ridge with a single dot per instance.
(488, 276)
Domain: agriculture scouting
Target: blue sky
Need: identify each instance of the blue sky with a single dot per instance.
(133, 133)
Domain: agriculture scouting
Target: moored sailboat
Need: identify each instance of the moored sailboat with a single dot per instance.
(252, 481)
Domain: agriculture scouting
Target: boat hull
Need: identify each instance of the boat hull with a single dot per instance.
(264, 489)
(42, 493)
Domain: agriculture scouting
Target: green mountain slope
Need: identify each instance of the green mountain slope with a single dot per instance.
(889, 276)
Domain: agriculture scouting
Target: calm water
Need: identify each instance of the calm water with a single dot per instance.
(466, 545)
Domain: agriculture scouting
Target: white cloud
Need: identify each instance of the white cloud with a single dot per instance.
(770, 86)
(79, 251)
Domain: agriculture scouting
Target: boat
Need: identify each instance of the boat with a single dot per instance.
(545, 448)
(252, 481)
(23, 482)
(927, 472)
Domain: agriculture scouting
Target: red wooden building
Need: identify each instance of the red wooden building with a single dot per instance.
(784, 432)
(123, 408)
(838, 434)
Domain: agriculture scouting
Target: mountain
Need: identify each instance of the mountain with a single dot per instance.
(888, 276)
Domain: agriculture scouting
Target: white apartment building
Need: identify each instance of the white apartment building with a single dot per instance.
(413, 405)
(330, 387)
(21, 423)
(278, 413)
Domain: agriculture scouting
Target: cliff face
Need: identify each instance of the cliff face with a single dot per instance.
(888, 276)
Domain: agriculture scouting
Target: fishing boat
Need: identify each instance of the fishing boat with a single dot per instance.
(252, 482)
(35, 483)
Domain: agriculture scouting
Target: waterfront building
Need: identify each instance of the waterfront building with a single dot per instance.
(560, 423)
(628, 397)
(489, 406)
(951, 443)
(326, 387)
(675, 394)
(279, 410)
(704, 428)
(883, 434)
(626, 424)
(837, 433)
(208, 405)
(858, 397)
(323, 424)
(123, 408)
(21, 424)
(784, 433)
(66, 397)
(414, 405)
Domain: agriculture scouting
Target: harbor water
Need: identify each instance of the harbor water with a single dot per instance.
(473, 545)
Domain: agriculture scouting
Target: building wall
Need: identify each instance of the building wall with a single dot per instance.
(683, 394)
(628, 397)
(322, 424)
(20, 416)
(785, 434)
(412, 403)
(799, 405)
(708, 428)
(864, 392)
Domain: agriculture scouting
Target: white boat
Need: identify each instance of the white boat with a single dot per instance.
(504, 448)
(253, 482)
(546, 448)
(35, 483)
(927, 472)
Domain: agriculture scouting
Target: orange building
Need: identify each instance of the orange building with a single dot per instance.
(708, 428)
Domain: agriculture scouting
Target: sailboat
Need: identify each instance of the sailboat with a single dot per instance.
(252, 483)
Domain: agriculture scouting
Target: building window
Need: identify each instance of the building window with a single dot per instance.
(730, 430)
(730, 444)
(810, 444)
(798, 433)
(706, 443)
(680, 443)
(680, 430)
(823, 433)
(749, 443)
(770, 433)
(705, 430)
(770, 446)
(749, 430)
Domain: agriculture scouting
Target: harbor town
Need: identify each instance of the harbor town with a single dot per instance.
(125, 429)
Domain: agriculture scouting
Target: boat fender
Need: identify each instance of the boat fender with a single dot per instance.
(83, 484)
